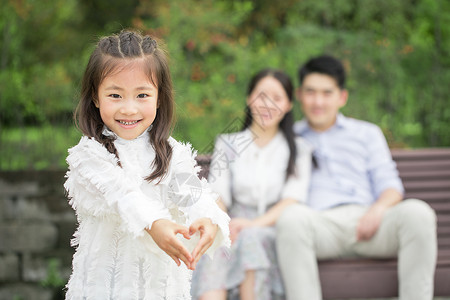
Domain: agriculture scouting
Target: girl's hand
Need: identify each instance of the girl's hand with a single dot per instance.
(236, 225)
(208, 232)
(164, 234)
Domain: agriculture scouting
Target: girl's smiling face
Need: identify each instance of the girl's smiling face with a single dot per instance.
(128, 100)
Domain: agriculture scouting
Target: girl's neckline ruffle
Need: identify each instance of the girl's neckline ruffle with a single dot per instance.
(109, 133)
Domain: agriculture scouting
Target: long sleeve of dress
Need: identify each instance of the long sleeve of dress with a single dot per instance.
(192, 195)
(97, 186)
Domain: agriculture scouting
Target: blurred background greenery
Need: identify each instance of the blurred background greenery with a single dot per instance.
(397, 54)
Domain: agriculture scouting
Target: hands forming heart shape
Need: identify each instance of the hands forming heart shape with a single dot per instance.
(164, 233)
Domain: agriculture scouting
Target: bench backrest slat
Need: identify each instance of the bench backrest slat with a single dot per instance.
(425, 174)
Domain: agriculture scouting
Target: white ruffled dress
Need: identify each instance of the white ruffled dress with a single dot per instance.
(115, 258)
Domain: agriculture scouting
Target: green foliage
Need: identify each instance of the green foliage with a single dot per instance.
(38, 148)
(54, 278)
(36, 50)
(396, 54)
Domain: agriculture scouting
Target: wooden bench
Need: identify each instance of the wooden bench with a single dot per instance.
(426, 175)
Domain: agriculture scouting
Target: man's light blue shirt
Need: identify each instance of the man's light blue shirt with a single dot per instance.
(354, 163)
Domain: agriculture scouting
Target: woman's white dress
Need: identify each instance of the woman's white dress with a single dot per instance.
(250, 179)
(115, 257)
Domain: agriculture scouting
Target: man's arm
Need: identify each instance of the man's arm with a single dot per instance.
(369, 223)
(385, 182)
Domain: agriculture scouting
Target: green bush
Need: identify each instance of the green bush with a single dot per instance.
(396, 54)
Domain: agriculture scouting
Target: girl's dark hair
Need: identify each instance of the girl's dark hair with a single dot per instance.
(108, 55)
(287, 122)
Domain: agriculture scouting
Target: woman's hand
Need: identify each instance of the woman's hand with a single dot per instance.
(164, 234)
(208, 232)
(236, 225)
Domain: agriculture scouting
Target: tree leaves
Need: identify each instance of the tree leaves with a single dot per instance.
(396, 54)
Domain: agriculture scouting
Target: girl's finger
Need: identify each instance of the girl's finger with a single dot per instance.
(200, 254)
(175, 247)
(184, 251)
(194, 228)
(197, 250)
(175, 259)
(180, 256)
(203, 244)
(186, 262)
(184, 231)
(181, 251)
(181, 229)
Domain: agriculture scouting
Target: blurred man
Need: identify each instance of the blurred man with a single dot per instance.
(355, 206)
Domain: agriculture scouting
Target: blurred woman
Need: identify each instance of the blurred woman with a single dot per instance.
(257, 173)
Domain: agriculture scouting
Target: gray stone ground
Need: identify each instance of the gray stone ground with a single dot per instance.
(36, 224)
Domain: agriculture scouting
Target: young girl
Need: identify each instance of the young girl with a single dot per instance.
(135, 190)
(258, 172)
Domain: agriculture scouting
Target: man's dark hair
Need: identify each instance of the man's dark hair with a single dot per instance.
(324, 64)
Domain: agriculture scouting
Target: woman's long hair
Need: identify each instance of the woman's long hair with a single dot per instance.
(287, 122)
